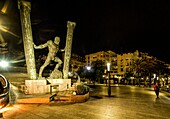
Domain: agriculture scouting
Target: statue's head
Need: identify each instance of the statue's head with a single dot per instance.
(57, 40)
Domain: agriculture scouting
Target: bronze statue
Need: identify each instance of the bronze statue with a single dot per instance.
(53, 48)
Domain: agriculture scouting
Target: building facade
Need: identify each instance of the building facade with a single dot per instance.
(120, 63)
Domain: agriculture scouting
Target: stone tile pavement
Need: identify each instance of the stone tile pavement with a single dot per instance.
(124, 103)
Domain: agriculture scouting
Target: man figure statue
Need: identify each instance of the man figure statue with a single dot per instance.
(53, 48)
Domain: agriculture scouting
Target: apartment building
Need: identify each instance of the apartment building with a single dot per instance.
(120, 63)
(124, 61)
(102, 55)
(105, 56)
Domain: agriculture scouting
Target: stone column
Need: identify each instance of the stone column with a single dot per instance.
(68, 47)
(25, 9)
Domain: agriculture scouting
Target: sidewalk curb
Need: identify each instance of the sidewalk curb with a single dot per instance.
(33, 100)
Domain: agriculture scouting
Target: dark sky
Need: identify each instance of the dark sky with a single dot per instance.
(119, 25)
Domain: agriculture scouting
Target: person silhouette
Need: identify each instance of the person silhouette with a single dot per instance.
(156, 89)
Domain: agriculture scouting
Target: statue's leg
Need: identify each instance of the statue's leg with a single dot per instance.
(47, 62)
(59, 62)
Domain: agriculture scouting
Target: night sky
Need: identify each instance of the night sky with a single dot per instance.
(119, 25)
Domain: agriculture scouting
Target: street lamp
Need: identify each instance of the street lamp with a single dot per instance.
(3, 63)
(88, 68)
(108, 70)
(88, 73)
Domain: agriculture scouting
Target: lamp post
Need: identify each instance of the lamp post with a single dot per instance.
(109, 88)
(88, 69)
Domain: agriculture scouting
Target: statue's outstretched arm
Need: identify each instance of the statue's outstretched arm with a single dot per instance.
(41, 46)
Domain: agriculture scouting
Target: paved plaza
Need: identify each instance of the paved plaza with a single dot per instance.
(126, 102)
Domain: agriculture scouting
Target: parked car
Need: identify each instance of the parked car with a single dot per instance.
(4, 91)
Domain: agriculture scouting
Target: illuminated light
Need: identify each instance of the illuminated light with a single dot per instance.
(108, 66)
(62, 50)
(154, 75)
(17, 61)
(109, 87)
(6, 29)
(4, 9)
(88, 67)
(3, 28)
(5, 109)
(26, 91)
(132, 77)
(74, 93)
(4, 63)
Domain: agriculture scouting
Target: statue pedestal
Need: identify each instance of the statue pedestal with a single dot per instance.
(63, 84)
(41, 86)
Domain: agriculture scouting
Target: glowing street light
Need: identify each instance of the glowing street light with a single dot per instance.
(108, 70)
(3, 63)
(88, 68)
(88, 73)
(108, 66)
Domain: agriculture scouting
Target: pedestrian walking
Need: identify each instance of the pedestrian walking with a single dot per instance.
(156, 89)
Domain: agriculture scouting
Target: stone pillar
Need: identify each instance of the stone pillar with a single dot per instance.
(68, 47)
(25, 9)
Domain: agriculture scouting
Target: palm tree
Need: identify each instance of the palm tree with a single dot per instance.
(163, 69)
(137, 68)
(144, 66)
(166, 72)
(128, 75)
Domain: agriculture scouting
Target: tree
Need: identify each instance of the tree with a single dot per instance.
(98, 67)
(81, 72)
(166, 72)
(145, 66)
(137, 68)
(128, 75)
(163, 69)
